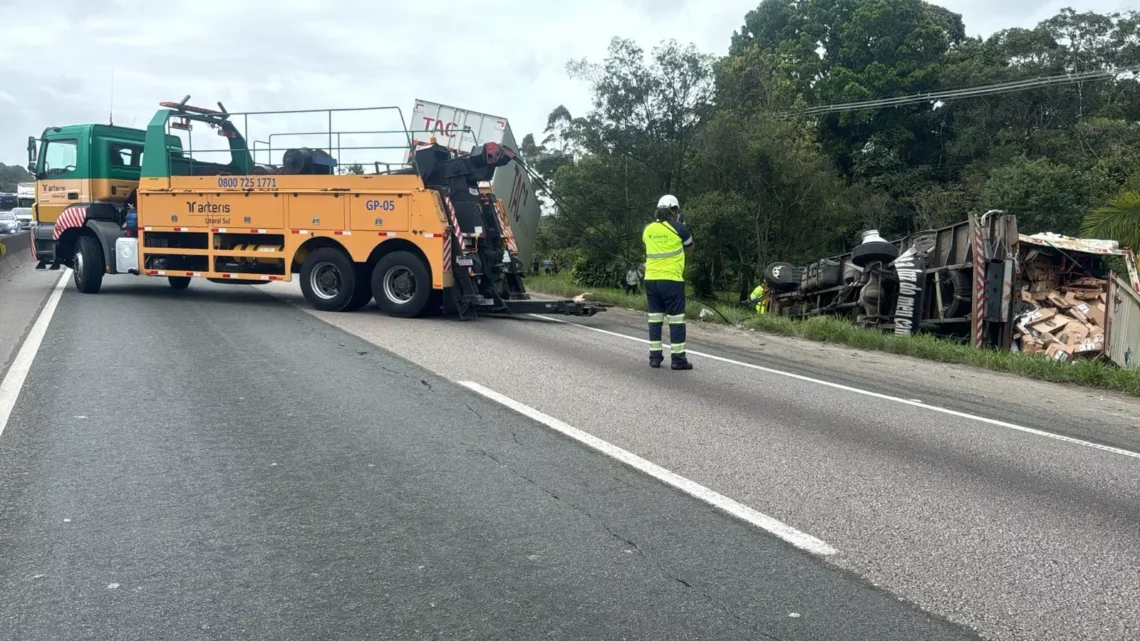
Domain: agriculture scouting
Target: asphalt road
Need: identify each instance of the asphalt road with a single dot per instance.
(1013, 534)
(217, 464)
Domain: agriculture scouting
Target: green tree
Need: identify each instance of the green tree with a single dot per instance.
(773, 195)
(610, 167)
(1045, 196)
(11, 175)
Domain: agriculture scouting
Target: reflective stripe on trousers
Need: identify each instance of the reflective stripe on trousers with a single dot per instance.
(676, 334)
(656, 319)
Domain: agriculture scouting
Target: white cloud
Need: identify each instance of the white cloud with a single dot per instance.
(505, 57)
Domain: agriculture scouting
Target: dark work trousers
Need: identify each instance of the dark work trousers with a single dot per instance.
(666, 304)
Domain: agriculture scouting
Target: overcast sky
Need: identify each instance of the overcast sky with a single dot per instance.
(505, 57)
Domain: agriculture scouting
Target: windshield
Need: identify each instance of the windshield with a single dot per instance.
(7, 215)
(8, 201)
(22, 211)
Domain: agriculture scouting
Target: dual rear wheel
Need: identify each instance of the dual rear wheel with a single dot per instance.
(400, 283)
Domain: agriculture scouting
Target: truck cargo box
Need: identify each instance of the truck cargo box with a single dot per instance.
(461, 129)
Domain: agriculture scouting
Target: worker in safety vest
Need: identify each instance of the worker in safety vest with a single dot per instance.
(666, 243)
(757, 296)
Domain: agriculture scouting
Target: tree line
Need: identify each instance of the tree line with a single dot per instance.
(12, 175)
(759, 182)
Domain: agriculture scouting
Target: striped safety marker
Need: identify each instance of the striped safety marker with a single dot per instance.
(979, 282)
(73, 216)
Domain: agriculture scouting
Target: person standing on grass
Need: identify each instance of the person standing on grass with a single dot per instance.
(632, 280)
(667, 242)
(548, 265)
(534, 266)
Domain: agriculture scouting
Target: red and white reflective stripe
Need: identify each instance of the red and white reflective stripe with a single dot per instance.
(386, 233)
(218, 230)
(178, 229)
(301, 231)
(146, 228)
(451, 212)
(433, 235)
(152, 272)
(68, 218)
(264, 277)
(258, 231)
(979, 283)
(447, 253)
(479, 235)
(227, 275)
(342, 233)
(505, 225)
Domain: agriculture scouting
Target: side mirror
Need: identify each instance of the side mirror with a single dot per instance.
(32, 154)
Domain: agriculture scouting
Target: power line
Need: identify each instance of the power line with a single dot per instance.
(966, 92)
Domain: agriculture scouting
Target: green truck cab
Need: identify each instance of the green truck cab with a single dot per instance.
(86, 176)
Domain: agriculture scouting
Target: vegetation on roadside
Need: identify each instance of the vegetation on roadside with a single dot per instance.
(827, 329)
(760, 180)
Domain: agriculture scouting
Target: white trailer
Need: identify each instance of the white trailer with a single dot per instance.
(26, 194)
(460, 130)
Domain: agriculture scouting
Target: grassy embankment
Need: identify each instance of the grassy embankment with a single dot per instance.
(1096, 374)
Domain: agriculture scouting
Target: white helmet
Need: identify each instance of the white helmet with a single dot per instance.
(668, 201)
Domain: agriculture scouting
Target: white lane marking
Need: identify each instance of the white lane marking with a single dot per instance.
(692, 488)
(885, 397)
(14, 379)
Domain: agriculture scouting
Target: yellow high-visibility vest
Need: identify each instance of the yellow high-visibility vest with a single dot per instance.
(757, 296)
(664, 252)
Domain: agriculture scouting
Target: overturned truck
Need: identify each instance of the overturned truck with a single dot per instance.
(978, 281)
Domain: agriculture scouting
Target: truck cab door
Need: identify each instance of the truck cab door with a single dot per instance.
(61, 178)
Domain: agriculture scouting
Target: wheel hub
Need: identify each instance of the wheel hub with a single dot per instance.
(326, 281)
(399, 284)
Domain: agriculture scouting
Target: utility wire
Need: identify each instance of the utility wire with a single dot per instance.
(966, 92)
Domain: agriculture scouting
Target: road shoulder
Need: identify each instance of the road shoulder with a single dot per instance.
(1095, 415)
(23, 291)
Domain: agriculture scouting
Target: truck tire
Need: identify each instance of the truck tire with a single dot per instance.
(363, 293)
(874, 252)
(88, 264)
(781, 277)
(328, 279)
(401, 284)
(957, 294)
(179, 282)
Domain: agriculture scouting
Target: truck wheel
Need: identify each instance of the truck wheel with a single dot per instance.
(401, 284)
(88, 265)
(363, 293)
(179, 282)
(957, 292)
(328, 279)
(874, 252)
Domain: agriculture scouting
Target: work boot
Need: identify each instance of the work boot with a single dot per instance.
(655, 361)
(681, 364)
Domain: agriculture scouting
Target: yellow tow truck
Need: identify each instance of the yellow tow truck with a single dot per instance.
(421, 238)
